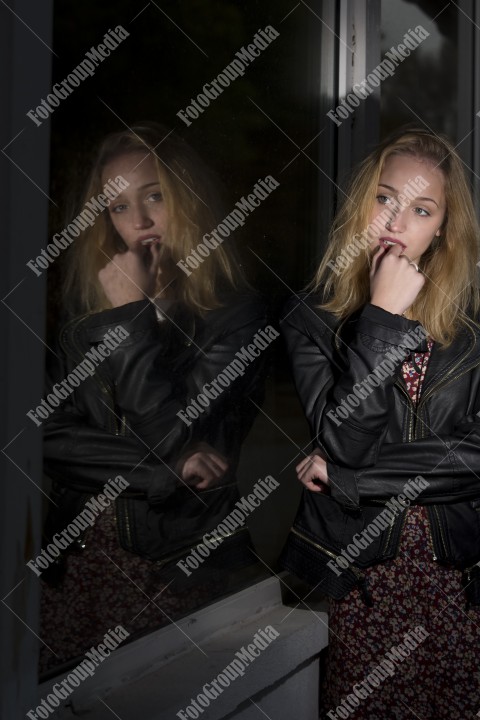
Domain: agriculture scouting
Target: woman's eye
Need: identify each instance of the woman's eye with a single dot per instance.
(118, 208)
(155, 197)
(383, 199)
(421, 211)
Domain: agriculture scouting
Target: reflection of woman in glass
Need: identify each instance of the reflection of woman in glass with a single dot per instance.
(164, 408)
(389, 524)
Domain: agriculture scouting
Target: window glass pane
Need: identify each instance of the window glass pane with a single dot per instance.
(263, 123)
(424, 86)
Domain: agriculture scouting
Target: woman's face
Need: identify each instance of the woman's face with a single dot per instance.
(138, 213)
(412, 220)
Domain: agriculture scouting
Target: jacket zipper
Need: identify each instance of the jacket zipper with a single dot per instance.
(294, 530)
(430, 537)
(450, 379)
(362, 580)
(421, 401)
(121, 519)
(411, 409)
(441, 530)
(468, 571)
(180, 552)
(355, 570)
(412, 432)
(390, 531)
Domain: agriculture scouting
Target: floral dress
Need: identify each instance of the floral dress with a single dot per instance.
(440, 678)
(105, 586)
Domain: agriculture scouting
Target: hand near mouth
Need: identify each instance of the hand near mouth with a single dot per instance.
(166, 271)
(132, 275)
(394, 281)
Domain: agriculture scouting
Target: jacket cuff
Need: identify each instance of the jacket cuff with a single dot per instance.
(136, 317)
(343, 486)
(378, 324)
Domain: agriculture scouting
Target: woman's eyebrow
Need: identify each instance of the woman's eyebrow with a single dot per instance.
(155, 182)
(427, 199)
(422, 199)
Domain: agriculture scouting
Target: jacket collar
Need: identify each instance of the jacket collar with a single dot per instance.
(459, 357)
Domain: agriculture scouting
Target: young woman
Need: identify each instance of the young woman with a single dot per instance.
(158, 402)
(385, 349)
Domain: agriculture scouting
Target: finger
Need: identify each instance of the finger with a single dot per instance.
(128, 260)
(205, 467)
(194, 467)
(214, 469)
(138, 250)
(410, 262)
(302, 464)
(322, 488)
(312, 473)
(378, 255)
(203, 484)
(155, 252)
(218, 463)
(146, 252)
(206, 476)
(306, 462)
(396, 249)
(312, 486)
(212, 461)
(306, 472)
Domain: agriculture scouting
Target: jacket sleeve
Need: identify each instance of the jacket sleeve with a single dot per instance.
(339, 389)
(450, 464)
(153, 396)
(85, 457)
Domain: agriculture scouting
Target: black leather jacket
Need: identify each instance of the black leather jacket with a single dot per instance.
(383, 442)
(123, 420)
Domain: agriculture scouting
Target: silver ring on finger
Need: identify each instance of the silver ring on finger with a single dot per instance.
(415, 266)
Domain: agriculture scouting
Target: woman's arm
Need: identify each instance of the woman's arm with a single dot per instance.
(449, 463)
(85, 457)
(154, 399)
(350, 436)
(160, 399)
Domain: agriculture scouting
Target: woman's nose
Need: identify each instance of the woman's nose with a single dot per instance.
(142, 219)
(396, 221)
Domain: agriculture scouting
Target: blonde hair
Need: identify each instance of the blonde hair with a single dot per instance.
(450, 293)
(192, 199)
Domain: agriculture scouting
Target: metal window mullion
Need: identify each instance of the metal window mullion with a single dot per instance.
(360, 31)
(327, 157)
(468, 96)
(476, 106)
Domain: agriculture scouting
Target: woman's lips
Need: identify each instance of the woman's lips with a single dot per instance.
(389, 242)
(148, 240)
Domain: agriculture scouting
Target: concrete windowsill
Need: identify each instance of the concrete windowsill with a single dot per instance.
(156, 677)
